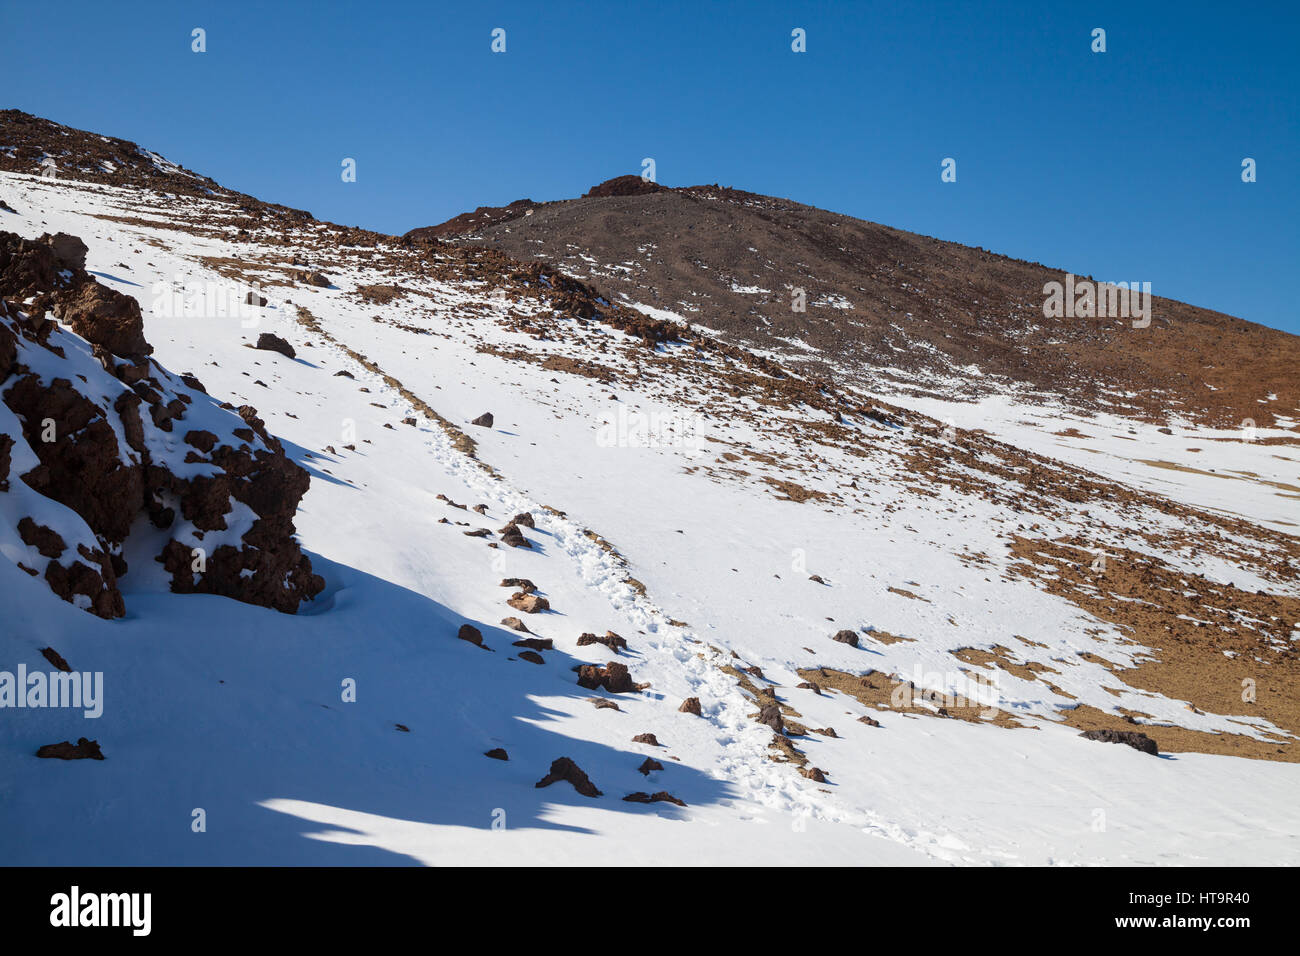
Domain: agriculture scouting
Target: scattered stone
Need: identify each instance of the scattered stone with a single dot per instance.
(254, 299)
(869, 721)
(56, 659)
(691, 705)
(614, 677)
(650, 739)
(529, 603)
(477, 533)
(814, 774)
(524, 518)
(521, 584)
(826, 731)
(485, 420)
(650, 764)
(770, 714)
(811, 685)
(403, 728)
(1136, 740)
(663, 796)
(565, 769)
(343, 373)
(817, 578)
(468, 632)
(602, 703)
(83, 749)
(610, 640)
(498, 753)
(536, 643)
(270, 342)
(512, 536)
(514, 624)
(846, 637)
(532, 657)
(481, 509)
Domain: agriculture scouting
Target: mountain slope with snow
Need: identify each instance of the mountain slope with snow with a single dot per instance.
(895, 626)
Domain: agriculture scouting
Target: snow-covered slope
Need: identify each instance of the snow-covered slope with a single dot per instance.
(725, 518)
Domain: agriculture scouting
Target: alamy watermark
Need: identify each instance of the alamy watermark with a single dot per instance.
(1085, 299)
(53, 689)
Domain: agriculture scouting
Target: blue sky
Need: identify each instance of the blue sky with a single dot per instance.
(1125, 165)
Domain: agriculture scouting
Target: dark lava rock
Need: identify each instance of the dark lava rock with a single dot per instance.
(497, 753)
(846, 637)
(468, 632)
(770, 714)
(663, 796)
(565, 769)
(56, 659)
(270, 342)
(610, 640)
(83, 749)
(107, 418)
(1136, 740)
(614, 677)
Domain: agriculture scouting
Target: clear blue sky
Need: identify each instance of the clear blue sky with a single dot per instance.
(1124, 165)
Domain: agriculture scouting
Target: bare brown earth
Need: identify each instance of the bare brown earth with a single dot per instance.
(921, 309)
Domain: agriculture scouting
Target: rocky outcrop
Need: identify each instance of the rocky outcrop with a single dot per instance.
(94, 434)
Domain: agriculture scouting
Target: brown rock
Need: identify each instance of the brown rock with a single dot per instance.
(106, 317)
(484, 420)
(532, 657)
(56, 659)
(270, 342)
(514, 624)
(846, 637)
(83, 749)
(650, 739)
(649, 765)
(529, 603)
(610, 640)
(565, 769)
(691, 705)
(614, 677)
(536, 643)
(663, 796)
(468, 632)
(497, 753)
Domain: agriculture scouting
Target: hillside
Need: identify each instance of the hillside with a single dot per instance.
(893, 311)
(586, 582)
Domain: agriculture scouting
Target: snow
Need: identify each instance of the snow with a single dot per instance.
(239, 710)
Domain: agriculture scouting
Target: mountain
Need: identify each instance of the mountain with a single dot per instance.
(893, 311)
(513, 569)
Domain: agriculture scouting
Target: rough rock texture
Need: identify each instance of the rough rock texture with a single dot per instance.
(691, 705)
(846, 637)
(270, 342)
(83, 749)
(614, 677)
(663, 796)
(89, 425)
(1136, 740)
(565, 769)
